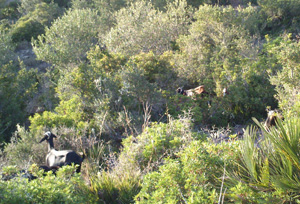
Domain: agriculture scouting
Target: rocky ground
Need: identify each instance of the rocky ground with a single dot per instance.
(25, 53)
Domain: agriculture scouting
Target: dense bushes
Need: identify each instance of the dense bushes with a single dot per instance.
(108, 84)
(32, 24)
(69, 37)
(140, 155)
(193, 177)
(17, 87)
(6, 48)
(226, 56)
(142, 28)
(25, 30)
(9, 11)
(286, 79)
(171, 163)
(278, 13)
(62, 188)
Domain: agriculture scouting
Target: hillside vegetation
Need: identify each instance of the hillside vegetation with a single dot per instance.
(103, 76)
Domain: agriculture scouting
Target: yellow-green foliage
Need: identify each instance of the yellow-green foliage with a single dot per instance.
(193, 177)
(23, 147)
(146, 152)
(158, 69)
(157, 142)
(65, 187)
(32, 24)
(69, 37)
(287, 53)
(142, 28)
(8, 10)
(68, 113)
(108, 62)
(26, 29)
(179, 104)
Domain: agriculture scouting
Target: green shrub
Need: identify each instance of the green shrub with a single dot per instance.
(61, 3)
(243, 193)
(79, 27)
(279, 12)
(226, 57)
(105, 61)
(158, 69)
(27, 6)
(6, 49)
(33, 23)
(194, 177)
(9, 11)
(142, 28)
(24, 147)
(25, 29)
(4, 25)
(121, 180)
(156, 143)
(62, 188)
(16, 89)
(285, 53)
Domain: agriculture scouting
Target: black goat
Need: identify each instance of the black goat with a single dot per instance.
(56, 158)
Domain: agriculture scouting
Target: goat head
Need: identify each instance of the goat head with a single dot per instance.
(48, 136)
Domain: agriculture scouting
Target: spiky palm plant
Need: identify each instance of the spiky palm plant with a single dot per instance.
(270, 157)
(253, 166)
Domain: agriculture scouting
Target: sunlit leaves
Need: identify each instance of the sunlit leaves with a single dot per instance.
(69, 37)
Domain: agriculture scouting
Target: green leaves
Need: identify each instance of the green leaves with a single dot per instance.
(69, 37)
(142, 28)
(278, 12)
(6, 48)
(270, 162)
(66, 187)
(157, 142)
(192, 177)
(286, 52)
(17, 86)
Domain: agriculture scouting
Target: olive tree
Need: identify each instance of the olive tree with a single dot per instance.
(69, 37)
(217, 40)
(141, 28)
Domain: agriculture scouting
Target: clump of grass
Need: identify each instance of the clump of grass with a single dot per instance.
(118, 185)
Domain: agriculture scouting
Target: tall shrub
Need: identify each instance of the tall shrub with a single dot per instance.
(69, 37)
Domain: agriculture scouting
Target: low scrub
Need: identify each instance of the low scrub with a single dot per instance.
(65, 187)
(196, 176)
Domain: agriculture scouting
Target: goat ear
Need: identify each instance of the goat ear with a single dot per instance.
(43, 139)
